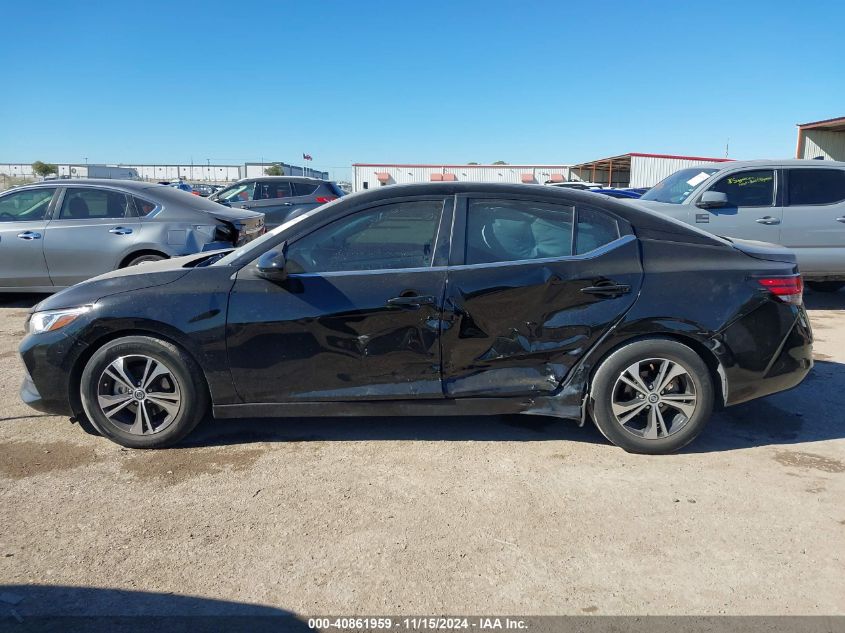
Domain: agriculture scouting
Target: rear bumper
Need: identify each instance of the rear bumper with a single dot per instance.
(786, 367)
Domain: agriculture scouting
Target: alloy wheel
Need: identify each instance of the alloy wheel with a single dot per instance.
(654, 398)
(139, 394)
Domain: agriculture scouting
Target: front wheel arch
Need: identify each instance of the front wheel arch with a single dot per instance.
(79, 365)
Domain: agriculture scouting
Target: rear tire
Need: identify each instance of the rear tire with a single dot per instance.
(142, 259)
(652, 396)
(825, 286)
(142, 392)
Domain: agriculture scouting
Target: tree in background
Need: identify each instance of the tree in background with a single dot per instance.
(500, 162)
(473, 163)
(44, 169)
(274, 170)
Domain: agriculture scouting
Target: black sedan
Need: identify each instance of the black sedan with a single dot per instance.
(442, 298)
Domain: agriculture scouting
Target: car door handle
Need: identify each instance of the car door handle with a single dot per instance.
(767, 220)
(607, 290)
(411, 302)
(840, 219)
(287, 204)
(121, 230)
(29, 235)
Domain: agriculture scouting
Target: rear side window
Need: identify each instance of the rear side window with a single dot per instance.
(144, 207)
(595, 229)
(271, 190)
(304, 188)
(816, 186)
(515, 230)
(28, 205)
(92, 204)
(748, 188)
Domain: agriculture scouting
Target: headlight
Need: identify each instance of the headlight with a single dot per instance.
(51, 320)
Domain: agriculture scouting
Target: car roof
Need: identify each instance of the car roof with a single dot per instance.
(136, 185)
(642, 218)
(283, 179)
(769, 162)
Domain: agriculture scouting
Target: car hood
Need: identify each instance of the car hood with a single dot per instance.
(138, 277)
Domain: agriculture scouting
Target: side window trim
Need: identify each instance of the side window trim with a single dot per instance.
(596, 252)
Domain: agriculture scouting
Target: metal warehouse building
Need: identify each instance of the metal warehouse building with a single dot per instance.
(636, 170)
(369, 175)
(822, 139)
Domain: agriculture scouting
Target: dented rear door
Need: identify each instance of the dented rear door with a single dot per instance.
(521, 306)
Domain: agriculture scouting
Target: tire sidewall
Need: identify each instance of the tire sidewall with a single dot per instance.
(184, 371)
(143, 259)
(612, 367)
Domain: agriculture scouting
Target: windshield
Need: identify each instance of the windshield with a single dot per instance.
(677, 187)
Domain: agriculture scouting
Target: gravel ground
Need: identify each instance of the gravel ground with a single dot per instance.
(430, 515)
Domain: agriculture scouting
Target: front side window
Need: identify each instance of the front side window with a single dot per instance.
(87, 204)
(271, 190)
(748, 188)
(399, 235)
(816, 186)
(514, 230)
(24, 206)
(238, 193)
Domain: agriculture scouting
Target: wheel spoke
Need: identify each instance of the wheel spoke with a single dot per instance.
(169, 402)
(631, 377)
(158, 370)
(118, 372)
(683, 402)
(675, 371)
(661, 423)
(627, 411)
(650, 431)
(138, 427)
(111, 404)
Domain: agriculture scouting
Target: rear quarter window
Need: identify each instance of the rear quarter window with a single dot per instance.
(304, 188)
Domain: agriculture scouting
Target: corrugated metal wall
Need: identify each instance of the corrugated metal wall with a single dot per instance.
(825, 143)
(647, 171)
(365, 175)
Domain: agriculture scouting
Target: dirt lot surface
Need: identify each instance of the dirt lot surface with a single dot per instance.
(431, 515)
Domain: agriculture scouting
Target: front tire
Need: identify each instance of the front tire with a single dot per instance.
(652, 396)
(142, 392)
(825, 286)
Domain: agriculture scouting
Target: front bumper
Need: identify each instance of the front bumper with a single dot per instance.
(49, 359)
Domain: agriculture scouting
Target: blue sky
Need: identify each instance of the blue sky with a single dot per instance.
(411, 81)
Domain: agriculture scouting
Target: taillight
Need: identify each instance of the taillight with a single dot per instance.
(324, 199)
(787, 289)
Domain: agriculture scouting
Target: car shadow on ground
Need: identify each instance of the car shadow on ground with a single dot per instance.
(63, 608)
(824, 300)
(794, 417)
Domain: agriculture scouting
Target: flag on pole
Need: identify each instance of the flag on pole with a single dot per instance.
(307, 157)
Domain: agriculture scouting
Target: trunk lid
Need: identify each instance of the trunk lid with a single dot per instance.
(763, 250)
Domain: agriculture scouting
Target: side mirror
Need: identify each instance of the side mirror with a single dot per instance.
(271, 265)
(712, 200)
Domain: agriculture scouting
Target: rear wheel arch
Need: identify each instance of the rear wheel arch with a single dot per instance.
(717, 374)
(140, 253)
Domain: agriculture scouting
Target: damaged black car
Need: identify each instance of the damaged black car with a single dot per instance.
(432, 299)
